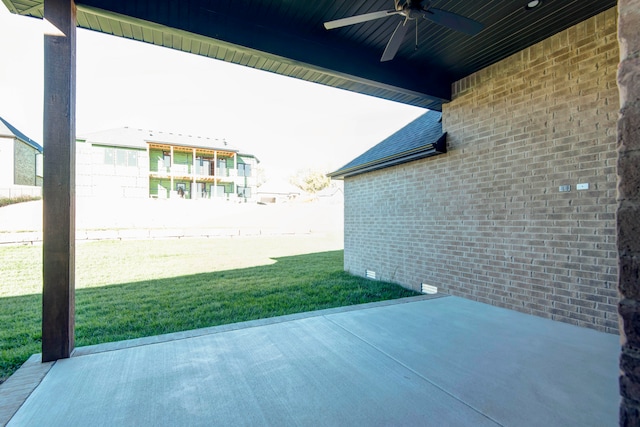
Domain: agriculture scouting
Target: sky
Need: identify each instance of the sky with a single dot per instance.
(288, 124)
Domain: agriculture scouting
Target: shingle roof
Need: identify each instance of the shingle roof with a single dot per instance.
(421, 138)
(138, 138)
(11, 130)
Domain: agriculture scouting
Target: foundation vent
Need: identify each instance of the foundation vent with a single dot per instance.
(371, 274)
(429, 289)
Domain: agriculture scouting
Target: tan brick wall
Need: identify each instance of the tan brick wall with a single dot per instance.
(487, 221)
(25, 164)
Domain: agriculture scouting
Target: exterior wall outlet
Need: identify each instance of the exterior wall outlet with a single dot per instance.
(583, 186)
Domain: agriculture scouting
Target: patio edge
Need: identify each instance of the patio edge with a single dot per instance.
(173, 336)
(19, 386)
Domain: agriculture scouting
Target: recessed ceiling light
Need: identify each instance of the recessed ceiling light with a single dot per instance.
(533, 4)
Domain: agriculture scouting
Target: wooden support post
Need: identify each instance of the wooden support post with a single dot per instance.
(215, 174)
(149, 173)
(173, 162)
(58, 294)
(194, 190)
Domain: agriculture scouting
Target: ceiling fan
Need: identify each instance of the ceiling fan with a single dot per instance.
(411, 10)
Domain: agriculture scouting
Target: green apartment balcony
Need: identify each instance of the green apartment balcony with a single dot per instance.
(191, 163)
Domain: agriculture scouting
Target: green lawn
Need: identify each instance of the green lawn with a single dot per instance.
(131, 289)
(6, 201)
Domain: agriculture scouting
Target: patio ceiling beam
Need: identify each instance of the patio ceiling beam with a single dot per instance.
(58, 293)
(349, 61)
(249, 34)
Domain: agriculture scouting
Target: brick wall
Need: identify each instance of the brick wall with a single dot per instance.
(24, 164)
(487, 221)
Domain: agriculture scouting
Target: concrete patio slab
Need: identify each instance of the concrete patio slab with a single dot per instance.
(441, 362)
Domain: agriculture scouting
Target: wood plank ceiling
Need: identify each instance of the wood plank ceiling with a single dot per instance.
(288, 37)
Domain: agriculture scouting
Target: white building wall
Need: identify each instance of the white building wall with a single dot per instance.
(96, 178)
(6, 162)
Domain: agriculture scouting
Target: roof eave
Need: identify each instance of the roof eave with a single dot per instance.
(184, 145)
(428, 150)
(21, 136)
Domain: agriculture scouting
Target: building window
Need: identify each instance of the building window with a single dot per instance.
(244, 169)
(218, 190)
(39, 165)
(244, 192)
(181, 189)
(132, 158)
(166, 156)
(109, 156)
(121, 158)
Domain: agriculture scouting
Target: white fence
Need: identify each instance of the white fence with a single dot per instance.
(20, 191)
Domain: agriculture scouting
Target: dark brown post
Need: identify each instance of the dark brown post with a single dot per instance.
(58, 297)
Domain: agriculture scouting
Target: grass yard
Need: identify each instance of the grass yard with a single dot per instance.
(131, 289)
(6, 201)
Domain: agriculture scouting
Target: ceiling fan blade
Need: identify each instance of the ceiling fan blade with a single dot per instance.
(453, 21)
(358, 19)
(395, 41)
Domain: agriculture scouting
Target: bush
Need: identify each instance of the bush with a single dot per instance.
(311, 181)
(6, 201)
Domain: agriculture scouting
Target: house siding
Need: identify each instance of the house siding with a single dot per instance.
(100, 175)
(6, 162)
(487, 221)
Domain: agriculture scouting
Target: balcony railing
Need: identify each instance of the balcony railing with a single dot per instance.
(200, 171)
(181, 169)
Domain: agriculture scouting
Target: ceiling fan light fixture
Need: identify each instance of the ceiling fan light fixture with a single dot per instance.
(411, 10)
(533, 4)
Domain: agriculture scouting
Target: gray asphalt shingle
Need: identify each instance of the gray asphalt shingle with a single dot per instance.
(21, 136)
(421, 138)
